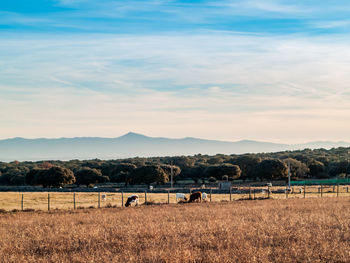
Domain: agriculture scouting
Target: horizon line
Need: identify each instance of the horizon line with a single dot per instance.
(171, 138)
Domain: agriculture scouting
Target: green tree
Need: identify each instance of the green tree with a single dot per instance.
(185, 163)
(149, 174)
(31, 176)
(248, 164)
(217, 171)
(337, 168)
(36, 176)
(13, 176)
(297, 168)
(58, 176)
(317, 169)
(167, 169)
(121, 173)
(54, 177)
(272, 169)
(88, 176)
(198, 172)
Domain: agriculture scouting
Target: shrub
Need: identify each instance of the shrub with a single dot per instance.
(212, 179)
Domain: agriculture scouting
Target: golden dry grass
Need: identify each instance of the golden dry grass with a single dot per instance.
(64, 200)
(293, 230)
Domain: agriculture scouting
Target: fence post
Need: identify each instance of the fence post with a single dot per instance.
(22, 203)
(146, 197)
(99, 200)
(347, 189)
(211, 193)
(254, 193)
(337, 190)
(334, 188)
(286, 192)
(168, 196)
(48, 202)
(321, 190)
(230, 194)
(74, 201)
(268, 191)
(250, 192)
(122, 199)
(304, 190)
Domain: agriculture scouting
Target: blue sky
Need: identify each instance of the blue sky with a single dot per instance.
(150, 17)
(268, 70)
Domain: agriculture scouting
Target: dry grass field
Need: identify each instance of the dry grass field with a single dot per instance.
(64, 200)
(293, 230)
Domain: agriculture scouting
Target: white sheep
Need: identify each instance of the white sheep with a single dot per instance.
(103, 197)
(180, 196)
(204, 196)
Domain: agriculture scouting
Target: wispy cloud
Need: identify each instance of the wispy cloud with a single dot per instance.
(271, 69)
(157, 84)
(331, 24)
(273, 16)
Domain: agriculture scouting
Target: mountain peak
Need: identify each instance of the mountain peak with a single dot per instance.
(132, 135)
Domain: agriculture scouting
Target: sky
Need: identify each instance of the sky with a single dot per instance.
(267, 70)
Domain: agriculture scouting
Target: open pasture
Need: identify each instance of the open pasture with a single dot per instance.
(64, 200)
(293, 230)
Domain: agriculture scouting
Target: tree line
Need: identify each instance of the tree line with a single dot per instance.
(304, 164)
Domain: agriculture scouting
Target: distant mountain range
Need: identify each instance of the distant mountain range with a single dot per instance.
(133, 144)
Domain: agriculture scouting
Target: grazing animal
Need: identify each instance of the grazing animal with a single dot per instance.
(288, 190)
(204, 196)
(195, 196)
(180, 196)
(132, 199)
(300, 190)
(103, 197)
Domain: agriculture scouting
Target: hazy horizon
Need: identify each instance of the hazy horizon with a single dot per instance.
(267, 70)
(175, 138)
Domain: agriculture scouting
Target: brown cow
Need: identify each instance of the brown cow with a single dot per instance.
(195, 196)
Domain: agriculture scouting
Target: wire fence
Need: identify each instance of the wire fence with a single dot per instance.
(77, 200)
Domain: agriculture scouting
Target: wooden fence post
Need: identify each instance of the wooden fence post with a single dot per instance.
(122, 199)
(250, 192)
(321, 190)
(347, 189)
(22, 203)
(48, 202)
(254, 193)
(304, 190)
(168, 196)
(74, 201)
(337, 190)
(268, 191)
(146, 197)
(286, 192)
(211, 193)
(99, 200)
(230, 194)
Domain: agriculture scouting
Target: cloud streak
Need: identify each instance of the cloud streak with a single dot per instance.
(244, 69)
(273, 16)
(212, 86)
